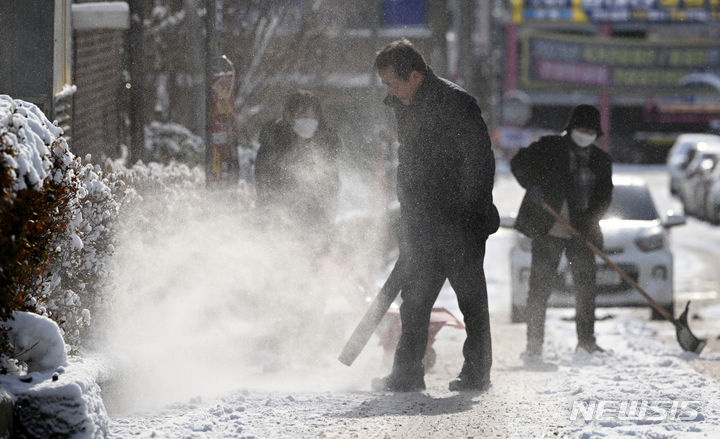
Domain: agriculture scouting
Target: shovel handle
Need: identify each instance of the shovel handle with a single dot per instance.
(607, 260)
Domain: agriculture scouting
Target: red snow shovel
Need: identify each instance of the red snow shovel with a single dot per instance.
(685, 337)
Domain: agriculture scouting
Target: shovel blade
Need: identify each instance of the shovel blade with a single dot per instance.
(685, 337)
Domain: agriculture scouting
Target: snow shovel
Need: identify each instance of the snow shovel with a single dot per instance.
(685, 337)
(370, 321)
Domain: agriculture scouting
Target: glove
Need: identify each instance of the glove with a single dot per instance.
(534, 194)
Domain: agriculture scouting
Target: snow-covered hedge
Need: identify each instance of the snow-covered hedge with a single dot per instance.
(59, 218)
(168, 142)
(32, 197)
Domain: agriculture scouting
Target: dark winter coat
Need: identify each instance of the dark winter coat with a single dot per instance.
(545, 164)
(446, 166)
(298, 175)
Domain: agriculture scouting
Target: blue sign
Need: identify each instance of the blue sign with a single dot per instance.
(404, 12)
(616, 11)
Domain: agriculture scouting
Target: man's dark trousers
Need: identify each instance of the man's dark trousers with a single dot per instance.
(430, 262)
(546, 253)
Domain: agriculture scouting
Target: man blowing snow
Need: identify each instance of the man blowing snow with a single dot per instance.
(445, 179)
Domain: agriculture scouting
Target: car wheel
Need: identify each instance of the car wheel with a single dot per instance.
(517, 314)
(657, 316)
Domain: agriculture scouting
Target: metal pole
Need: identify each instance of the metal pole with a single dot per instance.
(137, 84)
(210, 49)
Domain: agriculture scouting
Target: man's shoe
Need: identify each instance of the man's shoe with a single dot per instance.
(589, 347)
(530, 357)
(394, 384)
(534, 361)
(465, 383)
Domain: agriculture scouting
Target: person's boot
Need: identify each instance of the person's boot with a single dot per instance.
(590, 347)
(393, 383)
(467, 382)
(532, 353)
(533, 360)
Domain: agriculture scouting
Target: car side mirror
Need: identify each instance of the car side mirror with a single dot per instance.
(507, 221)
(673, 219)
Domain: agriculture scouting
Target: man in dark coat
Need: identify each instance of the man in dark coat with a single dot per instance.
(574, 177)
(445, 178)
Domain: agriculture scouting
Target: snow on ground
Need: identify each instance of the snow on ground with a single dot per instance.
(643, 387)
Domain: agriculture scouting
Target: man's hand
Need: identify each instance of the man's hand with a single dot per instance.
(534, 194)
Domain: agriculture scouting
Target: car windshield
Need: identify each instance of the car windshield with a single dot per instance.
(631, 202)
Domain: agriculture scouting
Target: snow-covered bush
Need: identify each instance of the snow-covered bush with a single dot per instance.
(167, 142)
(60, 217)
(74, 285)
(30, 147)
(57, 220)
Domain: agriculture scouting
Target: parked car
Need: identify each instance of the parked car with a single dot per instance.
(696, 182)
(681, 153)
(636, 240)
(712, 197)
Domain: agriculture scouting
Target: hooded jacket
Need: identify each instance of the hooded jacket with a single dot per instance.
(446, 165)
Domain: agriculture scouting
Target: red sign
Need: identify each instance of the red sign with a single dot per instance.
(222, 136)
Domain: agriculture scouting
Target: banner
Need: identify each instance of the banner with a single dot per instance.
(612, 65)
(614, 11)
(222, 136)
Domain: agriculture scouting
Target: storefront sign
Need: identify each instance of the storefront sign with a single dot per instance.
(612, 65)
(614, 11)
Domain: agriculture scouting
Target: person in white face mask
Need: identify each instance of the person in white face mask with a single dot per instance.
(296, 170)
(574, 176)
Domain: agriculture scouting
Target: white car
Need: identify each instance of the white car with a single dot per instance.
(636, 240)
(694, 186)
(681, 153)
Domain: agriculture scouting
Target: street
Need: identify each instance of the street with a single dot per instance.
(644, 365)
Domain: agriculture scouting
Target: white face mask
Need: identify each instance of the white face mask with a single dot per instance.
(305, 127)
(582, 139)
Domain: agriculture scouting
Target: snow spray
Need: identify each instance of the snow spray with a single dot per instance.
(205, 302)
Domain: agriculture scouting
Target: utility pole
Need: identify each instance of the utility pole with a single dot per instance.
(136, 60)
(210, 56)
(466, 57)
(195, 63)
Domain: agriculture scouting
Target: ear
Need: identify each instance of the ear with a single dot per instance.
(416, 77)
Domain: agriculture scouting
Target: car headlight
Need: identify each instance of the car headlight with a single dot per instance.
(651, 239)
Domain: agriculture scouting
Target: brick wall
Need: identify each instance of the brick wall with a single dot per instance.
(97, 74)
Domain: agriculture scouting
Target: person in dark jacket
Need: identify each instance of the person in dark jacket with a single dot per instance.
(296, 169)
(445, 178)
(574, 177)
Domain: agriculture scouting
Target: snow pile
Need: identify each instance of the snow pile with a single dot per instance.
(61, 402)
(56, 397)
(39, 341)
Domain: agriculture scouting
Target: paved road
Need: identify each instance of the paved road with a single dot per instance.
(521, 403)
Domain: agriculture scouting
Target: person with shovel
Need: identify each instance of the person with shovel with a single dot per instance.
(445, 179)
(573, 176)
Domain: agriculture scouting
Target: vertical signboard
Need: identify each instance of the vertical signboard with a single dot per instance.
(222, 122)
